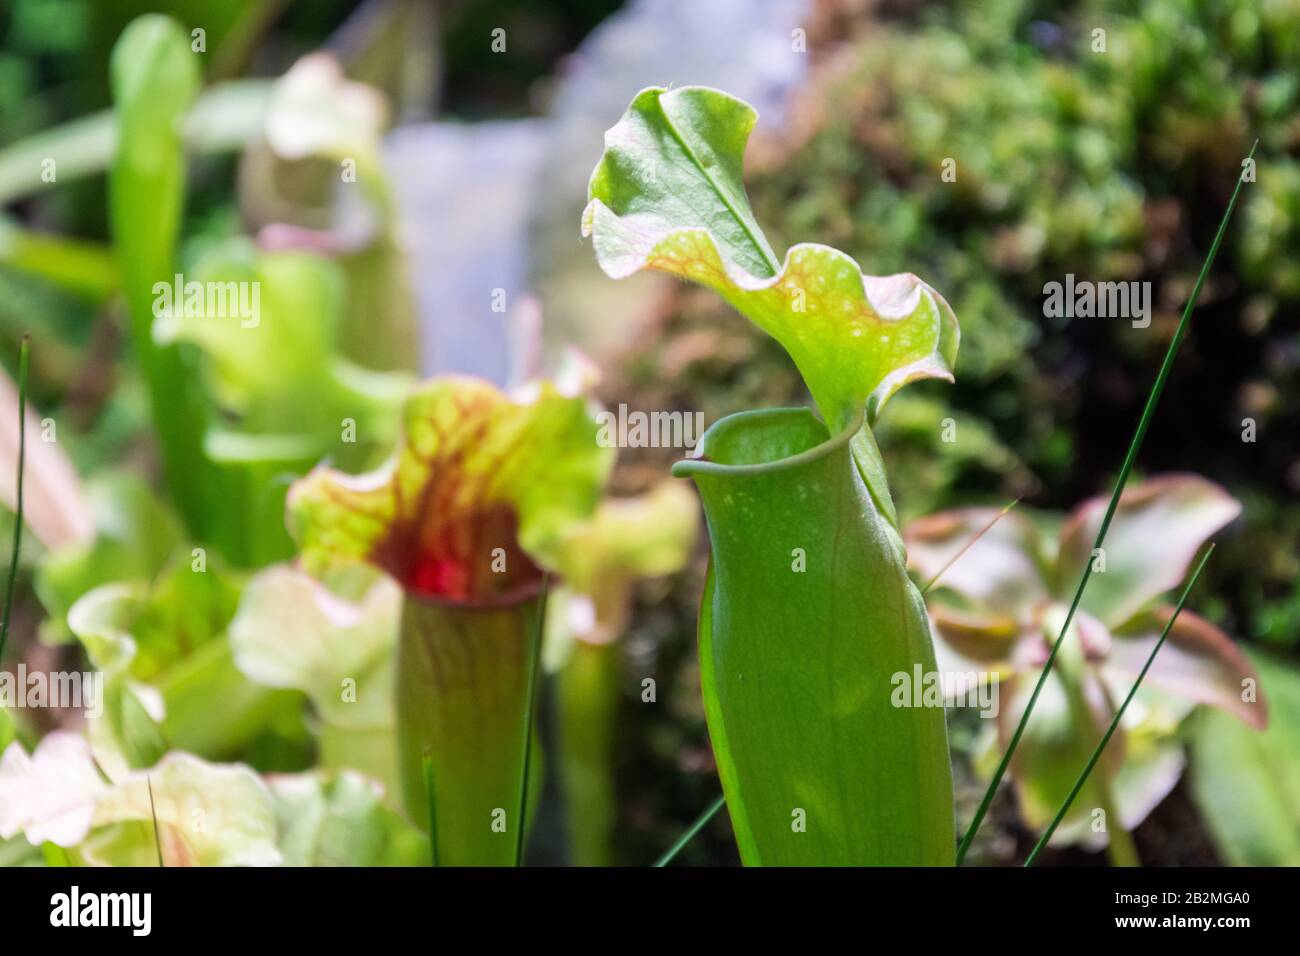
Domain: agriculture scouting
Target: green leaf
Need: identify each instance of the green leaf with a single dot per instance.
(285, 399)
(646, 536)
(340, 820)
(155, 78)
(587, 714)
(293, 632)
(1157, 529)
(261, 351)
(275, 370)
(122, 729)
(1071, 713)
(628, 538)
(84, 268)
(1246, 783)
(484, 491)
(290, 631)
(1198, 662)
(167, 666)
(668, 195)
(133, 538)
(7, 729)
(224, 118)
(807, 620)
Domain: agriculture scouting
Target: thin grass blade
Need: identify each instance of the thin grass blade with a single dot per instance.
(1134, 446)
(433, 809)
(695, 828)
(1119, 714)
(534, 651)
(967, 546)
(153, 813)
(18, 511)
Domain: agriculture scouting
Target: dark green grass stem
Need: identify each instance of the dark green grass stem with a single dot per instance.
(696, 827)
(153, 813)
(1119, 715)
(18, 511)
(534, 651)
(433, 808)
(1143, 424)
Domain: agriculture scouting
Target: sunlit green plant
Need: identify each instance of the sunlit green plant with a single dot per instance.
(808, 610)
(162, 648)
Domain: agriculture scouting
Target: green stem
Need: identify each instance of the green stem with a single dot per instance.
(1120, 848)
(429, 789)
(84, 268)
(153, 815)
(155, 79)
(587, 708)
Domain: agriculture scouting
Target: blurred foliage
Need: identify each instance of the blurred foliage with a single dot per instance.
(1248, 784)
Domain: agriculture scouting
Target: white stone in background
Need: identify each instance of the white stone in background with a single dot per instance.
(462, 196)
(495, 206)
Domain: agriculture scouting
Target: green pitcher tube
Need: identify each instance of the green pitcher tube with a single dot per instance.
(808, 616)
(462, 692)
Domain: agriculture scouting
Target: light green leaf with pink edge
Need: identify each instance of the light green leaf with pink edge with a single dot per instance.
(207, 814)
(340, 819)
(1001, 572)
(293, 632)
(479, 478)
(1198, 662)
(1156, 532)
(51, 794)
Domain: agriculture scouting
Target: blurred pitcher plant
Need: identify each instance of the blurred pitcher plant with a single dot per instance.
(998, 607)
(469, 518)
